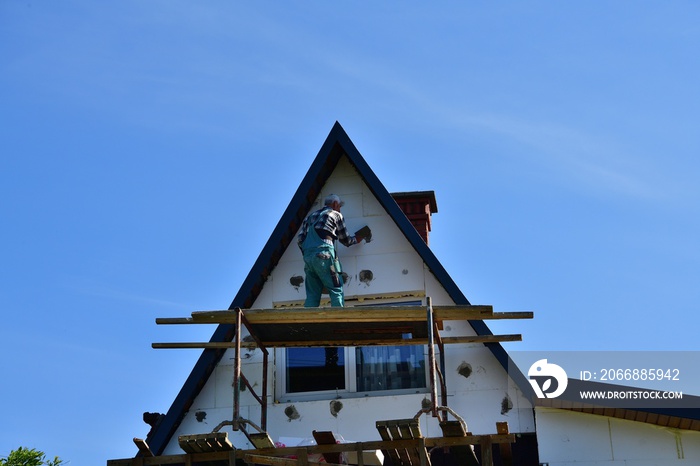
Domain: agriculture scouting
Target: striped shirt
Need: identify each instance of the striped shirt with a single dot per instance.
(330, 225)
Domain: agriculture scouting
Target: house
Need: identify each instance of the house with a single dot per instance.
(346, 389)
(616, 432)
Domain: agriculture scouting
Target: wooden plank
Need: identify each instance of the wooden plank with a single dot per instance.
(430, 442)
(323, 343)
(174, 459)
(404, 453)
(201, 443)
(370, 341)
(508, 315)
(194, 345)
(464, 453)
(269, 460)
(261, 440)
(486, 451)
(468, 440)
(368, 446)
(143, 447)
(482, 338)
(326, 437)
(506, 454)
(404, 429)
(302, 457)
(277, 461)
(505, 448)
(360, 455)
(354, 314)
(174, 320)
(392, 453)
(207, 318)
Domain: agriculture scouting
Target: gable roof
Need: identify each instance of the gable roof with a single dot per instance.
(337, 145)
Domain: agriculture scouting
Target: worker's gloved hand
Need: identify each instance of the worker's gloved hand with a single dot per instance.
(363, 233)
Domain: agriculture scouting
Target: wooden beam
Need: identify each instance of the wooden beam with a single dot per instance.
(192, 345)
(356, 314)
(510, 315)
(347, 314)
(458, 311)
(336, 342)
(430, 442)
(174, 320)
(482, 339)
(173, 459)
(143, 447)
(468, 440)
(277, 461)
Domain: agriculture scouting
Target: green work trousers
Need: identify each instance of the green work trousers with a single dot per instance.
(319, 257)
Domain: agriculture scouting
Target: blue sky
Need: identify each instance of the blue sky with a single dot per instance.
(148, 149)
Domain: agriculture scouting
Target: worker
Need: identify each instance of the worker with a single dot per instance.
(316, 240)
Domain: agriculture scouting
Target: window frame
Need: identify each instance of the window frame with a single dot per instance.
(350, 390)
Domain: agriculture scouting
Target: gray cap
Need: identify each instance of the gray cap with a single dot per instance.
(331, 198)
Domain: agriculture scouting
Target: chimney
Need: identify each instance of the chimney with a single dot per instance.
(418, 206)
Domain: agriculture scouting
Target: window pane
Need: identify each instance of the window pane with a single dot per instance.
(389, 368)
(313, 369)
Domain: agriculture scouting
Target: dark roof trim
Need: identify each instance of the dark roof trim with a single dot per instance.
(336, 145)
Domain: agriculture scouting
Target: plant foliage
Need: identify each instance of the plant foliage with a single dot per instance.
(28, 457)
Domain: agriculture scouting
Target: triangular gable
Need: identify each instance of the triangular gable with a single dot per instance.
(337, 145)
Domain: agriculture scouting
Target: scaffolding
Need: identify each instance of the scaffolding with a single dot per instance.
(338, 327)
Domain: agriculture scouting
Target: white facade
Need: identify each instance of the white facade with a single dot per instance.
(567, 438)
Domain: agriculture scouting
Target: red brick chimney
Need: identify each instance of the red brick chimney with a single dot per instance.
(418, 206)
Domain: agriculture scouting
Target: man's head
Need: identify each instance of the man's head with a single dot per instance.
(334, 202)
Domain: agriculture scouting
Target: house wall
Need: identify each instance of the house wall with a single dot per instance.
(478, 386)
(387, 266)
(566, 438)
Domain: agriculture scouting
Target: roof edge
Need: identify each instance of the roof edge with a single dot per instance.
(160, 436)
(337, 143)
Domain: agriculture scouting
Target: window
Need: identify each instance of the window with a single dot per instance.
(389, 368)
(314, 369)
(351, 370)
